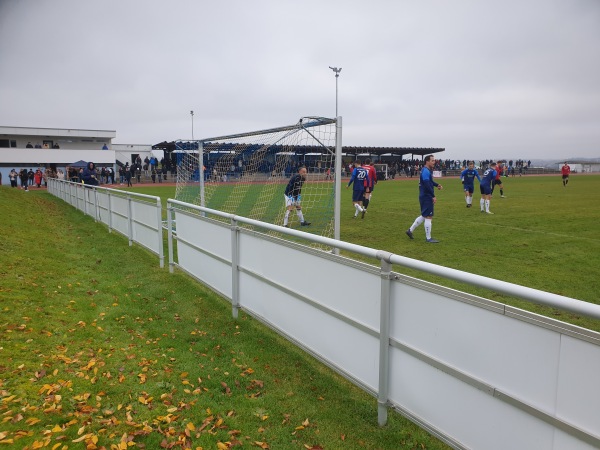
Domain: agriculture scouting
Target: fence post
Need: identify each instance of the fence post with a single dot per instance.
(384, 339)
(109, 212)
(235, 273)
(170, 235)
(129, 220)
(161, 250)
(96, 206)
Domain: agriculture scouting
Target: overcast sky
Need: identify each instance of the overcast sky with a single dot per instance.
(498, 79)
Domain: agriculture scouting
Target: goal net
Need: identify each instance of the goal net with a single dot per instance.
(246, 174)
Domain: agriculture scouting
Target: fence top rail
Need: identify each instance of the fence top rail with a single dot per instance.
(116, 191)
(514, 290)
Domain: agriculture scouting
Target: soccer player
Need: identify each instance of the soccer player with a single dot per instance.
(467, 177)
(498, 180)
(565, 170)
(360, 178)
(485, 186)
(293, 196)
(370, 184)
(426, 200)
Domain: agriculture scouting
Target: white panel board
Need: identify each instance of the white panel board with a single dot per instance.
(145, 225)
(208, 269)
(512, 355)
(579, 384)
(462, 412)
(214, 237)
(120, 213)
(347, 289)
(338, 342)
(103, 211)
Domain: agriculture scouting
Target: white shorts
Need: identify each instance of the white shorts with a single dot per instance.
(292, 201)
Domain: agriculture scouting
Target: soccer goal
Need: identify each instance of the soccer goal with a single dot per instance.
(382, 171)
(246, 174)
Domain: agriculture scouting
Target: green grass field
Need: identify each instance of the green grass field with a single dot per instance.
(542, 235)
(102, 349)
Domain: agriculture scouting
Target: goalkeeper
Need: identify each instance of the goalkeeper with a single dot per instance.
(293, 197)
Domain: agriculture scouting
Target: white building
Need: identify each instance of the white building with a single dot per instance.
(32, 148)
(582, 166)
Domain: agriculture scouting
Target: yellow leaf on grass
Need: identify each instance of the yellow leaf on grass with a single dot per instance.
(190, 426)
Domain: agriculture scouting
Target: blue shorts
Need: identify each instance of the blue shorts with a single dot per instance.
(469, 188)
(357, 196)
(426, 206)
(485, 189)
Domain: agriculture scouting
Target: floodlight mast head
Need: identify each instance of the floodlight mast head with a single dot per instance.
(336, 70)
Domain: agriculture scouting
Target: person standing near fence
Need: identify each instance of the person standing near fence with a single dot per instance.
(485, 186)
(369, 184)
(566, 171)
(427, 200)
(360, 179)
(90, 175)
(467, 177)
(293, 196)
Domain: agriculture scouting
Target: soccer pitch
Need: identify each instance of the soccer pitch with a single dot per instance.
(542, 235)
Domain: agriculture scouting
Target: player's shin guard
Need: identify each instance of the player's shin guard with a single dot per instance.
(418, 221)
(300, 215)
(428, 228)
(482, 204)
(286, 217)
(366, 203)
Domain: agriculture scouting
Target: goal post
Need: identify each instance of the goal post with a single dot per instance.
(382, 171)
(246, 173)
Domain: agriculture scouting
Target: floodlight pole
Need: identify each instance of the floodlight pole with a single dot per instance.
(337, 75)
(192, 114)
(338, 165)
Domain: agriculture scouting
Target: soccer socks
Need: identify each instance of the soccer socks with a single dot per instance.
(482, 204)
(428, 228)
(418, 221)
(300, 215)
(487, 206)
(286, 217)
(501, 192)
(366, 203)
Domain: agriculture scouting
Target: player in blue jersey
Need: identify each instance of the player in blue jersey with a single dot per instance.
(426, 200)
(293, 196)
(467, 177)
(485, 186)
(360, 179)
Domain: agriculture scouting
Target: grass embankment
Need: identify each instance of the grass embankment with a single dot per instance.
(100, 348)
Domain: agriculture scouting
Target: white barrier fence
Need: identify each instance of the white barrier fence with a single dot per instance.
(136, 216)
(475, 373)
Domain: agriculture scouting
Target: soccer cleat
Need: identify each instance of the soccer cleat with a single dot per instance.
(432, 241)
(362, 216)
(286, 226)
(304, 224)
(503, 196)
(409, 234)
(489, 212)
(468, 206)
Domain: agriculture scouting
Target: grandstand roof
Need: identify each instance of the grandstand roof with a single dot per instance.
(302, 149)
